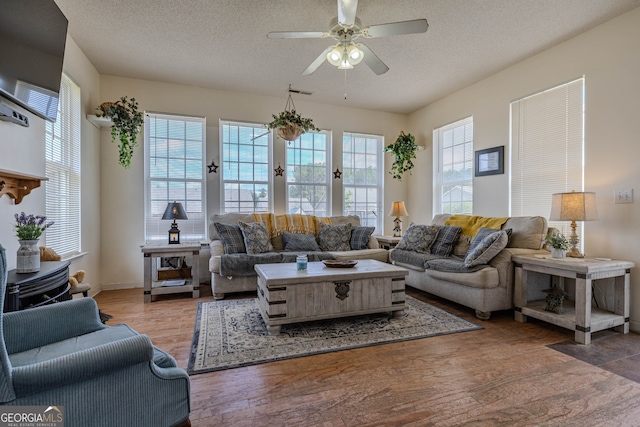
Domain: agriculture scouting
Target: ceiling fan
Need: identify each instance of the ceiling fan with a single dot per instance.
(346, 28)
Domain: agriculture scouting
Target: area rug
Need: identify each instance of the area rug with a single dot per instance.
(231, 333)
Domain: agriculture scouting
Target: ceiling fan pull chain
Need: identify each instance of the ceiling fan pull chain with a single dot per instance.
(345, 84)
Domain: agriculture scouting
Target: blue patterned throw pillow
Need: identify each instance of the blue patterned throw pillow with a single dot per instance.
(334, 237)
(487, 249)
(231, 236)
(300, 242)
(445, 241)
(360, 236)
(418, 238)
(482, 233)
(256, 237)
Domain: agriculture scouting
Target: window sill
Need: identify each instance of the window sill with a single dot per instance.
(75, 257)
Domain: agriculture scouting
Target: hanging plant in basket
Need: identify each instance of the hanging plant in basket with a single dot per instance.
(126, 125)
(289, 123)
(404, 150)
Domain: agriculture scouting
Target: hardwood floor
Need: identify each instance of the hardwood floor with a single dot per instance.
(502, 375)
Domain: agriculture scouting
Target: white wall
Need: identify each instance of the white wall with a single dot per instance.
(609, 57)
(122, 230)
(22, 150)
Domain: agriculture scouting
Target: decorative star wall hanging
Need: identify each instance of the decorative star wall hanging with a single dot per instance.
(337, 174)
(213, 167)
(278, 170)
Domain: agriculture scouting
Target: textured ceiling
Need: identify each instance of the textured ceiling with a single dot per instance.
(223, 45)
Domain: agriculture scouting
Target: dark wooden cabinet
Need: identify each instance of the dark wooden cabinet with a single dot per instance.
(27, 290)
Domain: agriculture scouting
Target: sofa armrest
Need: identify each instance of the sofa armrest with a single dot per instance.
(373, 243)
(216, 247)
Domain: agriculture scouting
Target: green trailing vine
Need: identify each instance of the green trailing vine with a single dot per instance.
(404, 151)
(126, 125)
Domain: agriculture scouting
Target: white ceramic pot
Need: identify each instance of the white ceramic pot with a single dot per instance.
(28, 260)
(558, 253)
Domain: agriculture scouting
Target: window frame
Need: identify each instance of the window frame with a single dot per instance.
(63, 168)
(439, 136)
(379, 187)
(193, 229)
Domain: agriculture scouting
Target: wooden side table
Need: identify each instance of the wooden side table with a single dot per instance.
(152, 286)
(577, 315)
(388, 242)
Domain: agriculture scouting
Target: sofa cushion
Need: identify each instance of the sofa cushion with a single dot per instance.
(300, 242)
(418, 238)
(228, 218)
(231, 237)
(482, 233)
(528, 231)
(335, 237)
(487, 249)
(354, 220)
(256, 237)
(447, 237)
(360, 236)
(381, 255)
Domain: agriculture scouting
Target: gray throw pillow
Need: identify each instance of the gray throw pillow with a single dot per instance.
(445, 241)
(418, 238)
(487, 249)
(360, 237)
(482, 233)
(256, 237)
(334, 237)
(300, 242)
(231, 236)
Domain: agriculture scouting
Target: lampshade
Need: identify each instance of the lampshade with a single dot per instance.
(174, 211)
(398, 209)
(574, 206)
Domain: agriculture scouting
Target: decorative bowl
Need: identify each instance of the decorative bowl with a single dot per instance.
(334, 263)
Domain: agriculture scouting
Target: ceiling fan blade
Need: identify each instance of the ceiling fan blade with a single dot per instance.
(318, 62)
(297, 35)
(370, 58)
(347, 12)
(396, 28)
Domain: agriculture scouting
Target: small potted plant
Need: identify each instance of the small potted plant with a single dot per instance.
(126, 125)
(559, 245)
(404, 150)
(29, 228)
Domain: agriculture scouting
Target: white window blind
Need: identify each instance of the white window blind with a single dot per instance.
(62, 164)
(547, 149)
(453, 168)
(308, 189)
(245, 150)
(174, 171)
(362, 178)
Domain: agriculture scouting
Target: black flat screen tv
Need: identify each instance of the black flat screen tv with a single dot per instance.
(32, 40)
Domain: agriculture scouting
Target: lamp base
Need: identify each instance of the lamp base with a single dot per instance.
(397, 230)
(574, 253)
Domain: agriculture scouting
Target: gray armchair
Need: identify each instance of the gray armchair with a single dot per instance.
(62, 355)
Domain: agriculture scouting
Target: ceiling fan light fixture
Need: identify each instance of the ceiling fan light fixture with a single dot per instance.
(354, 54)
(335, 56)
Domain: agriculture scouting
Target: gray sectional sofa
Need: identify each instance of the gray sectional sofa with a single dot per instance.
(484, 289)
(246, 280)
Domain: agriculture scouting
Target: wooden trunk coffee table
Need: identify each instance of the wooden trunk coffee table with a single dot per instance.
(286, 295)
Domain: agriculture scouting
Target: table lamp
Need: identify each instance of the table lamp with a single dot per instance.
(398, 210)
(574, 206)
(174, 211)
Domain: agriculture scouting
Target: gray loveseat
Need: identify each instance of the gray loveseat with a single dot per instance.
(485, 289)
(222, 284)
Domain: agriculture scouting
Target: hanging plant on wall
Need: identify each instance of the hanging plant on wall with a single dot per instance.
(289, 123)
(126, 125)
(404, 150)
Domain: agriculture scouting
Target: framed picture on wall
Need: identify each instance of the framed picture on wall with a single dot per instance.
(490, 161)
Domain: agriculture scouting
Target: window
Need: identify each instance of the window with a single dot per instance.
(62, 164)
(245, 153)
(547, 149)
(174, 171)
(453, 169)
(362, 178)
(308, 190)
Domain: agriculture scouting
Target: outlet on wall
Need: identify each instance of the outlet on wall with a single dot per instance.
(623, 196)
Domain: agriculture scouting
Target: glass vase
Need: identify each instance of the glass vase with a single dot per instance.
(28, 257)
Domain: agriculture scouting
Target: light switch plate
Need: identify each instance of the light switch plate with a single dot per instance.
(623, 196)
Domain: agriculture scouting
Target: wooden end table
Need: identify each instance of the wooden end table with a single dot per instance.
(388, 242)
(152, 286)
(577, 315)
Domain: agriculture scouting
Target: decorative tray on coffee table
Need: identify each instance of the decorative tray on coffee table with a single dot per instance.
(334, 263)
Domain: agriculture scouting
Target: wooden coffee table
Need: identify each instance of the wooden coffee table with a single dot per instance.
(286, 295)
